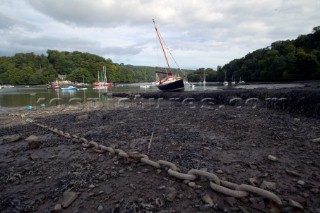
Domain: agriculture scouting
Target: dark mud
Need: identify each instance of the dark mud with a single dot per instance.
(231, 139)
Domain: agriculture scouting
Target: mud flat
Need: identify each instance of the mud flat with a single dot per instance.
(267, 143)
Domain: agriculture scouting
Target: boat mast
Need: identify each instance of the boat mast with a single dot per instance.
(164, 52)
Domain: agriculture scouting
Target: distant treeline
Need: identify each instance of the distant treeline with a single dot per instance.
(29, 68)
(289, 60)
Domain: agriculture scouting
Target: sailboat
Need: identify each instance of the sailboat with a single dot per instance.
(100, 84)
(168, 81)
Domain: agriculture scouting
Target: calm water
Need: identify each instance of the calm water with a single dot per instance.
(21, 96)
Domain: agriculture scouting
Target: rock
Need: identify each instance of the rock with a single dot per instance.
(68, 198)
(82, 117)
(219, 171)
(32, 138)
(268, 185)
(253, 181)
(272, 158)
(57, 208)
(91, 186)
(34, 156)
(292, 173)
(301, 182)
(11, 138)
(172, 194)
(316, 140)
(100, 208)
(192, 184)
(207, 199)
(295, 204)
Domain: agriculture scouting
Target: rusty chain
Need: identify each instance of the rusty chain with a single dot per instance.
(224, 187)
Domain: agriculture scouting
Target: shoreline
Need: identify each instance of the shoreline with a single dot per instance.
(233, 141)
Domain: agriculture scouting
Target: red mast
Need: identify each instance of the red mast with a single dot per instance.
(164, 52)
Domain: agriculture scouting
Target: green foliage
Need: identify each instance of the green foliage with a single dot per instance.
(28, 68)
(283, 61)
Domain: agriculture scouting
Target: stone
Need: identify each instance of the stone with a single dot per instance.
(11, 138)
(295, 204)
(68, 198)
(100, 208)
(268, 185)
(32, 138)
(207, 199)
(219, 171)
(272, 158)
(301, 182)
(293, 173)
(82, 117)
(253, 181)
(316, 140)
(57, 208)
(34, 156)
(172, 194)
(192, 184)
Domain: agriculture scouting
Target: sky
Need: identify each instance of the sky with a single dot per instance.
(198, 33)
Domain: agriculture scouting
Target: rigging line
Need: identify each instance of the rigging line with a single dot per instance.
(169, 51)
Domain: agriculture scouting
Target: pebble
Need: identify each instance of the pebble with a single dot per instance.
(192, 184)
(295, 204)
(272, 158)
(68, 198)
(11, 138)
(57, 208)
(34, 156)
(219, 171)
(91, 186)
(172, 194)
(316, 140)
(207, 199)
(292, 173)
(100, 208)
(268, 185)
(32, 138)
(82, 117)
(301, 182)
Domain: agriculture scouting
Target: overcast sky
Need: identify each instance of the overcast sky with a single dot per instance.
(199, 33)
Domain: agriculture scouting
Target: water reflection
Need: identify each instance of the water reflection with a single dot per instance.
(41, 96)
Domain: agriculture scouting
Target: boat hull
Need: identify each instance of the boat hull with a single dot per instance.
(173, 86)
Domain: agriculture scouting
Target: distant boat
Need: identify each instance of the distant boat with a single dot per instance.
(233, 82)
(168, 81)
(53, 85)
(69, 88)
(103, 82)
(225, 83)
(241, 82)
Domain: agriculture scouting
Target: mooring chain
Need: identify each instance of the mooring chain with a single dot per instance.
(224, 187)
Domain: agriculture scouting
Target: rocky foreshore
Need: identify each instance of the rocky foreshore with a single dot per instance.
(260, 143)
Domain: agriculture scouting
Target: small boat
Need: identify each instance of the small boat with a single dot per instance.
(69, 88)
(225, 83)
(104, 80)
(53, 85)
(241, 82)
(168, 81)
(145, 86)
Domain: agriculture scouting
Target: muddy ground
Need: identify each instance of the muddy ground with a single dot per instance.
(233, 140)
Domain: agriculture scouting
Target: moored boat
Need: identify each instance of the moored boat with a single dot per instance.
(168, 81)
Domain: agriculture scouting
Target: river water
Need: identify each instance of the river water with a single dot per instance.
(24, 97)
